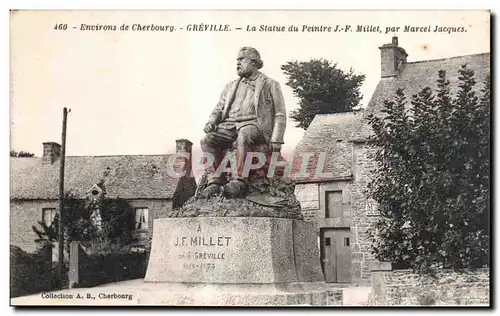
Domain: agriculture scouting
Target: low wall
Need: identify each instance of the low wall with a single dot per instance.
(445, 287)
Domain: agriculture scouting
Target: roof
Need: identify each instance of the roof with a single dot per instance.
(418, 75)
(328, 134)
(129, 177)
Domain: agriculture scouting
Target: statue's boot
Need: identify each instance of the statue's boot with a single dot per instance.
(235, 188)
(211, 190)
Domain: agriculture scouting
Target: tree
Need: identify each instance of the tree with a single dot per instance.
(76, 222)
(118, 221)
(14, 153)
(432, 184)
(115, 229)
(321, 88)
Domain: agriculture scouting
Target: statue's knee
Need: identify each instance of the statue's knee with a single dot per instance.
(248, 134)
(206, 141)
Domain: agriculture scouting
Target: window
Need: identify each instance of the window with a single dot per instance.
(327, 241)
(48, 216)
(333, 204)
(346, 241)
(141, 218)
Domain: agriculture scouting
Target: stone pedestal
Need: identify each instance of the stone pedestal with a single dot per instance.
(235, 261)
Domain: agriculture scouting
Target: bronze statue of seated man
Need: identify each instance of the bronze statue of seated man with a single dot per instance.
(250, 114)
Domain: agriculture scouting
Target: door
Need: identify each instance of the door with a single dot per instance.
(328, 257)
(336, 254)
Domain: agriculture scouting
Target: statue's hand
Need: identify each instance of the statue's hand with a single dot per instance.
(276, 147)
(209, 127)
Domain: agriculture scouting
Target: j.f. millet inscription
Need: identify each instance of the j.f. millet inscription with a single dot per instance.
(201, 241)
(220, 241)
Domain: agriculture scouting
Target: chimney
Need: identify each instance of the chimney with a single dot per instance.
(185, 146)
(392, 58)
(51, 152)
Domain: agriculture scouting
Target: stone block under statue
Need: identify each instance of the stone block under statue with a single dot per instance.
(233, 261)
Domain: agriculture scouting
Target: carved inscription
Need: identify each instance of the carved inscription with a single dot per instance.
(199, 266)
(220, 241)
(202, 260)
(202, 255)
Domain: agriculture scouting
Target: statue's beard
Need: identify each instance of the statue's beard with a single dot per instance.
(244, 71)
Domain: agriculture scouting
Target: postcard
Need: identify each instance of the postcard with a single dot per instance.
(249, 157)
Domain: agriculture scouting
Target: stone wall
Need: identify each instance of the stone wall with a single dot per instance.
(312, 200)
(359, 212)
(334, 297)
(25, 214)
(308, 195)
(446, 287)
(342, 220)
(364, 214)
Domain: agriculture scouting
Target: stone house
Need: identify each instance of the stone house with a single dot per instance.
(326, 199)
(338, 204)
(143, 180)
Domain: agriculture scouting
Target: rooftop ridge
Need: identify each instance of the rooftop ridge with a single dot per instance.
(446, 58)
(415, 75)
(336, 114)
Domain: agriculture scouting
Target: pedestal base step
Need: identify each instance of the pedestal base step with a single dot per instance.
(200, 294)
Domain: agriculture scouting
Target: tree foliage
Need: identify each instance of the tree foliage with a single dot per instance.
(76, 222)
(114, 229)
(118, 220)
(19, 154)
(433, 179)
(321, 88)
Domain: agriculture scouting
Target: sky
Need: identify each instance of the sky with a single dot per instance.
(135, 93)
